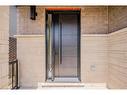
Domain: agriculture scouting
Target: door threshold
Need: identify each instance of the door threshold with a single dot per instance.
(64, 80)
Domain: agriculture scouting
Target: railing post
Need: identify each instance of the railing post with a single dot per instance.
(16, 73)
(12, 73)
(14, 67)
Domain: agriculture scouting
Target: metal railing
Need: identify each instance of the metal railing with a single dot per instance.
(13, 74)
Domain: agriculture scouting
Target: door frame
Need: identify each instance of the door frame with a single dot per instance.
(78, 13)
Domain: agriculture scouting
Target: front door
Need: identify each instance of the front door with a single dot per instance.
(63, 44)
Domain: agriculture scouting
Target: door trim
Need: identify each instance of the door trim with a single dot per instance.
(78, 13)
(63, 9)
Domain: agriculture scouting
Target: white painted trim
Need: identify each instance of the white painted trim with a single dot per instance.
(118, 31)
(95, 35)
(22, 36)
(28, 36)
(86, 35)
(124, 30)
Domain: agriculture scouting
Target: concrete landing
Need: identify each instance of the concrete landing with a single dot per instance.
(82, 85)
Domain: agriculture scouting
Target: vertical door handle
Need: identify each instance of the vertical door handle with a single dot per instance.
(60, 43)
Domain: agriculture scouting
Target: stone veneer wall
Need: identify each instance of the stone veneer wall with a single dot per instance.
(31, 56)
(94, 58)
(26, 26)
(94, 27)
(117, 18)
(117, 50)
(91, 17)
(94, 20)
(31, 47)
(4, 46)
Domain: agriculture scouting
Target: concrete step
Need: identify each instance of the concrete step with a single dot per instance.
(83, 85)
(41, 85)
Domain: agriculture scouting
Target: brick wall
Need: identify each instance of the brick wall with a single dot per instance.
(91, 17)
(117, 18)
(26, 26)
(94, 20)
